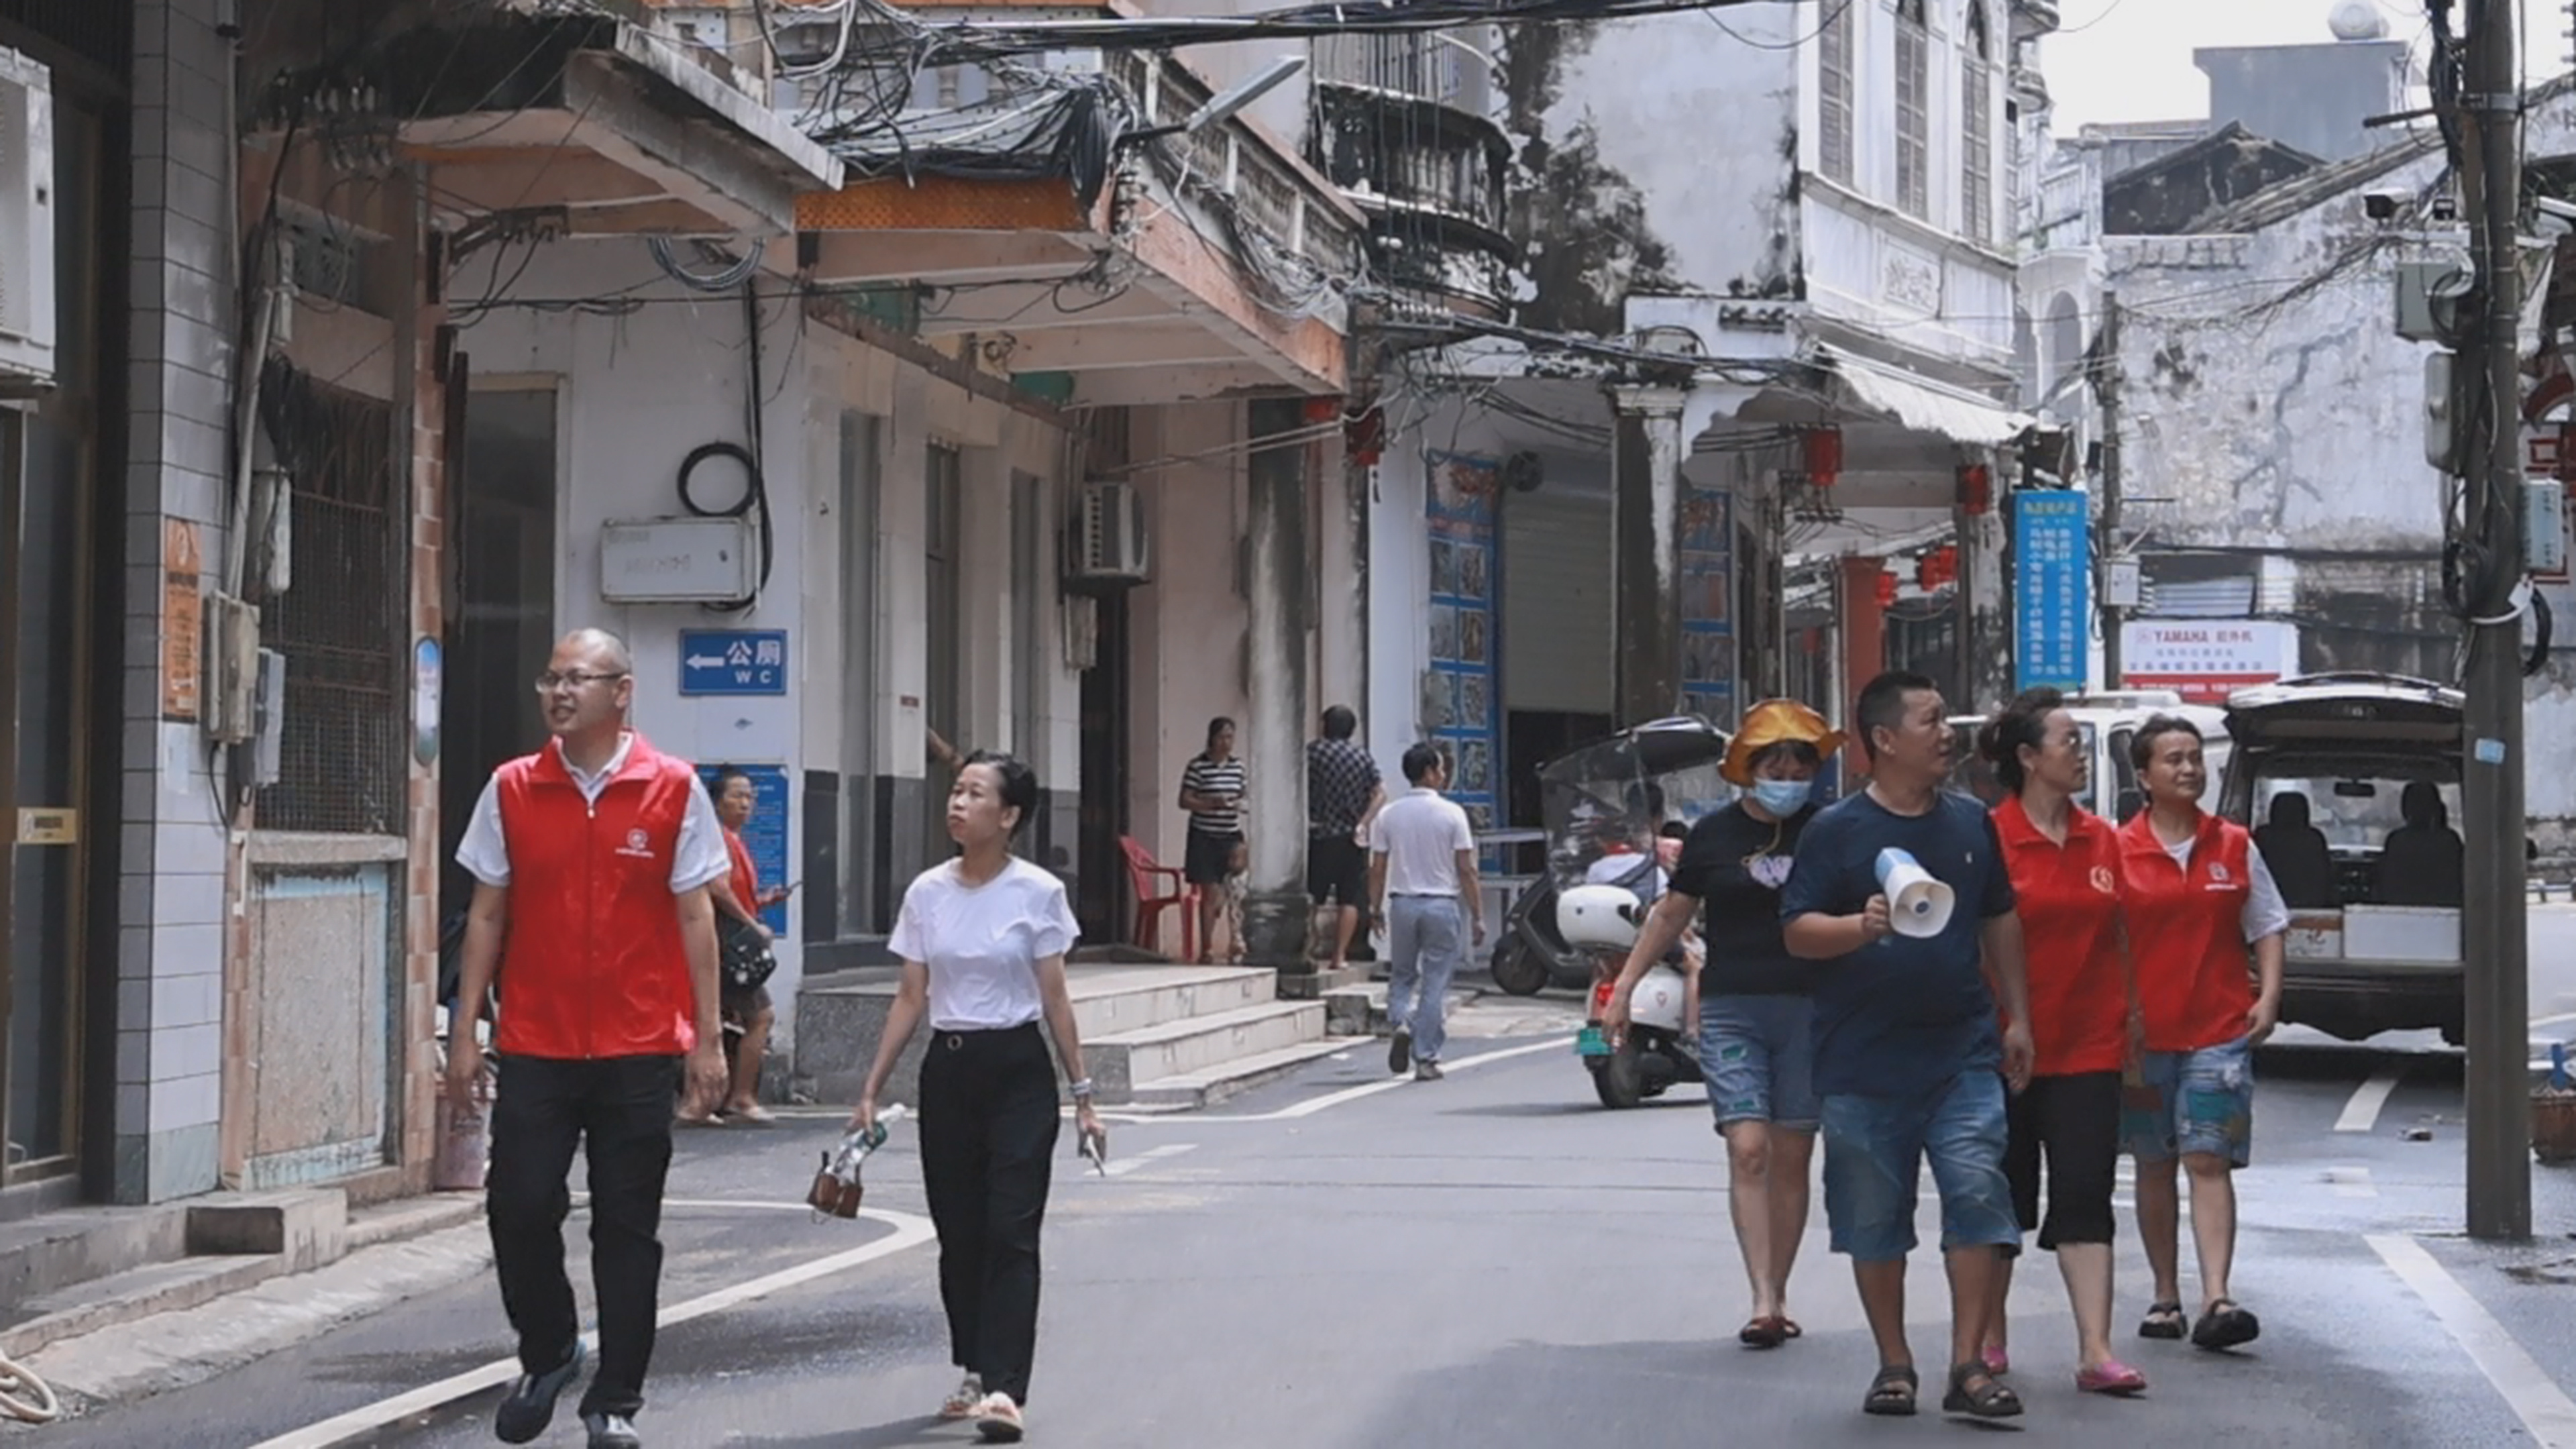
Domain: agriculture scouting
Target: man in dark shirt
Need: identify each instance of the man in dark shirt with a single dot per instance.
(1909, 1062)
(1343, 793)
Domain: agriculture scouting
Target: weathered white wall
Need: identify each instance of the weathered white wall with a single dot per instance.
(1187, 625)
(642, 390)
(2272, 407)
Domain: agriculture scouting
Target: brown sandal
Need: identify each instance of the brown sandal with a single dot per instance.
(1764, 1333)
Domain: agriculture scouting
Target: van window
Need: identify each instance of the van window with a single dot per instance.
(2128, 797)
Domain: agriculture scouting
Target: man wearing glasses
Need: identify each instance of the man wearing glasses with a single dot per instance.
(591, 860)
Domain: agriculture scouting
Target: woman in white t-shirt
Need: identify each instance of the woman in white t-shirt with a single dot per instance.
(982, 938)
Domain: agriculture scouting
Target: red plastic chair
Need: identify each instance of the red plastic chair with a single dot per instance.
(1148, 876)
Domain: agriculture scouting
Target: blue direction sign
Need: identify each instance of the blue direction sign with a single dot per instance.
(2052, 600)
(766, 836)
(733, 661)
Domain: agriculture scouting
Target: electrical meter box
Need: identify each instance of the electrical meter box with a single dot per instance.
(678, 561)
(2544, 528)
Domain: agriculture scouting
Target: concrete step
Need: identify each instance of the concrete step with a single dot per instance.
(1124, 1062)
(50, 1251)
(137, 1293)
(412, 1217)
(839, 1019)
(1190, 1090)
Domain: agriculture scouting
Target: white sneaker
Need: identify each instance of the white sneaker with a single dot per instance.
(965, 1400)
(998, 1420)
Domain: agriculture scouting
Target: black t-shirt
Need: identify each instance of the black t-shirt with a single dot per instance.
(1736, 865)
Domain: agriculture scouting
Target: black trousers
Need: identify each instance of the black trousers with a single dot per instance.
(618, 1109)
(989, 1122)
(2075, 1121)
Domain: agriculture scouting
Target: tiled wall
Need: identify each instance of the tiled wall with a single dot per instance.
(170, 951)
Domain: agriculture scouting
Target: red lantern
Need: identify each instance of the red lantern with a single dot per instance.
(1976, 489)
(1320, 410)
(1927, 573)
(1886, 588)
(1821, 453)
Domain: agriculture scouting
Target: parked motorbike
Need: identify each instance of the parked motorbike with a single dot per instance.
(1605, 806)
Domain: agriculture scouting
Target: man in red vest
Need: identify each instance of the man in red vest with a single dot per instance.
(591, 859)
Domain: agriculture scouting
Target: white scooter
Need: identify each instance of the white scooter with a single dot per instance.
(1659, 1048)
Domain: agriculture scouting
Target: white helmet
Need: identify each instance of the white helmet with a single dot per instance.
(1657, 1000)
(1599, 917)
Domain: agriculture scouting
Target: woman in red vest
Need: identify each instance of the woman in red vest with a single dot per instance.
(2084, 1022)
(2206, 924)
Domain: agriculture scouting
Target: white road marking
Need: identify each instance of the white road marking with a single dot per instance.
(2361, 1114)
(1329, 1100)
(1148, 1158)
(2560, 1019)
(2526, 1388)
(2351, 1182)
(909, 1232)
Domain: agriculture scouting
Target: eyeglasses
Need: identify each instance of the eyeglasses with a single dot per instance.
(548, 683)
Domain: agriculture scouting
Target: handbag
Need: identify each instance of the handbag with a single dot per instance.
(743, 958)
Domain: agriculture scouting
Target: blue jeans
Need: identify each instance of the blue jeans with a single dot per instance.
(1425, 942)
(2194, 1102)
(1759, 1055)
(1874, 1151)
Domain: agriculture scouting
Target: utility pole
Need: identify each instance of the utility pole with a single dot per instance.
(2497, 950)
(2107, 384)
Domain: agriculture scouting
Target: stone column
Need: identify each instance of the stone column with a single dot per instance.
(1985, 604)
(1275, 909)
(1864, 632)
(1645, 571)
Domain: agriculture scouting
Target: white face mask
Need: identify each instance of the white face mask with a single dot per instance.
(1783, 797)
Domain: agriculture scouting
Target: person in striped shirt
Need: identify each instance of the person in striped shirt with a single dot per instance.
(1212, 792)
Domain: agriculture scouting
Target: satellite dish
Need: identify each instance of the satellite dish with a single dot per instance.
(1524, 473)
(2358, 20)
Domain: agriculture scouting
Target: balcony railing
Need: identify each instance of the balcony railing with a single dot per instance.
(1274, 191)
(1450, 68)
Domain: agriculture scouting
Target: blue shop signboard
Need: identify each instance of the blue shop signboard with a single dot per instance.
(2053, 587)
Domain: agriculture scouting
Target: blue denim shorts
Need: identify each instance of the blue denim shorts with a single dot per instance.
(1874, 1151)
(1759, 1055)
(2192, 1102)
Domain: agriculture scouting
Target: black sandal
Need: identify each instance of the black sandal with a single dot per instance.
(2226, 1326)
(2164, 1320)
(1995, 1401)
(1891, 1394)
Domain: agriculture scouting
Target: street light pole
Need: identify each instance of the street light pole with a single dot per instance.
(2106, 383)
(2497, 950)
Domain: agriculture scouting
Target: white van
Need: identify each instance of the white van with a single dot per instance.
(2110, 722)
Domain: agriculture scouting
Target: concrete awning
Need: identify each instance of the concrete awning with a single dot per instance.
(1146, 295)
(564, 123)
(1919, 403)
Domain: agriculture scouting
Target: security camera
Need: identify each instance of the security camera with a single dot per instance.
(2383, 205)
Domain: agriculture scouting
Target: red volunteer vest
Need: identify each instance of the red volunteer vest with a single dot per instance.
(2187, 932)
(593, 965)
(2068, 898)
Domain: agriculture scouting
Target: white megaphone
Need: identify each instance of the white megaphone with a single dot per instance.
(1917, 904)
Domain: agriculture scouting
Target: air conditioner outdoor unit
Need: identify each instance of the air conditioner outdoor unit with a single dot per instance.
(1108, 544)
(26, 226)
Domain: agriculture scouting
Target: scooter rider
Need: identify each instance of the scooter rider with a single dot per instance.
(1756, 1014)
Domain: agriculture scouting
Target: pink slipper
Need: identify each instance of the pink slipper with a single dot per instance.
(2112, 1377)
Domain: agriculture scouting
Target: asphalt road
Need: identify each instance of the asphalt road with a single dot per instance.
(1489, 1261)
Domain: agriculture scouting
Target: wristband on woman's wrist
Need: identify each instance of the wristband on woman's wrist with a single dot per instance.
(1081, 1091)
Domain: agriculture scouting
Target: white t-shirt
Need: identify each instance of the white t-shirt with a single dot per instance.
(699, 858)
(982, 944)
(1616, 868)
(2266, 914)
(1420, 835)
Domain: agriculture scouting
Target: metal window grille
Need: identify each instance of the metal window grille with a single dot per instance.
(1834, 96)
(343, 624)
(1913, 111)
(1977, 133)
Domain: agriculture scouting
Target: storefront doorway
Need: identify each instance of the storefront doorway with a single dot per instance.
(50, 468)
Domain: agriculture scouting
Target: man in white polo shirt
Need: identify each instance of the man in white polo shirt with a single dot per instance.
(1422, 882)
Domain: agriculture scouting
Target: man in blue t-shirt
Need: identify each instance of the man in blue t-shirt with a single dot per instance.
(1909, 1060)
